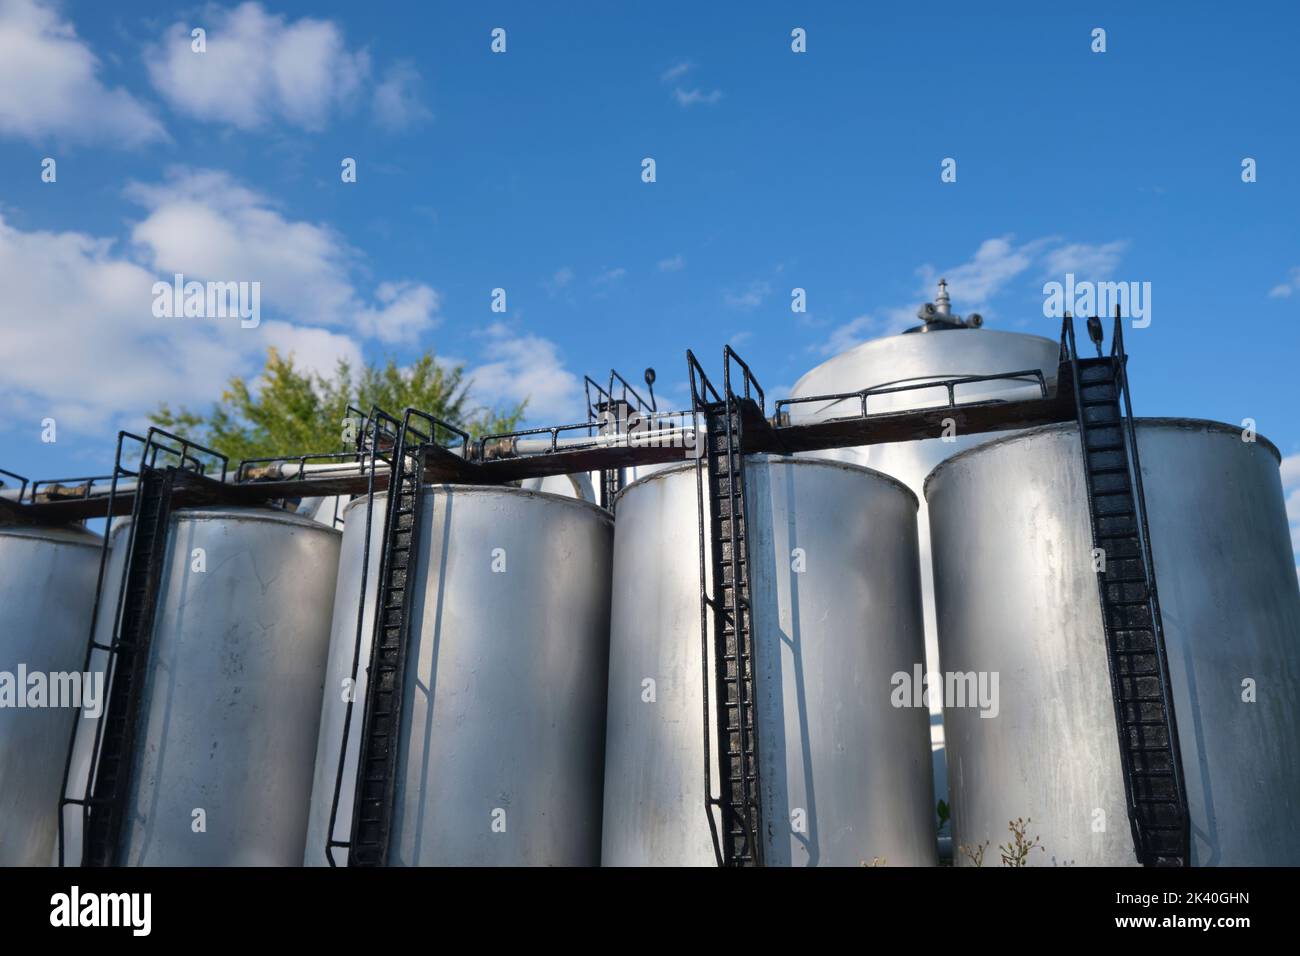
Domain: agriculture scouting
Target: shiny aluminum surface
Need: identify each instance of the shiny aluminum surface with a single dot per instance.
(577, 485)
(927, 355)
(845, 774)
(232, 693)
(47, 589)
(503, 735)
(1017, 594)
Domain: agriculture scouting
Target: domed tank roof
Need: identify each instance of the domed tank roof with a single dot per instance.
(912, 357)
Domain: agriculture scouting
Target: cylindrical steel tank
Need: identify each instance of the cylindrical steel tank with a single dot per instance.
(1017, 597)
(47, 590)
(328, 510)
(223, 760)
(845, 774)
(921, 356)
(504, 706)
(577, 485)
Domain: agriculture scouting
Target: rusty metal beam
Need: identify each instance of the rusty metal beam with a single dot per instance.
(441, 466)
(923, 423)
(501, 470)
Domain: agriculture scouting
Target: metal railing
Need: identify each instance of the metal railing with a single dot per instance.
(377, 424)
(950, 385)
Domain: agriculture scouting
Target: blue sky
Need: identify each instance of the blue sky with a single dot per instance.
(522, 171)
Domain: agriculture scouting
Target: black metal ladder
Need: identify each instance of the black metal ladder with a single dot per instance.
(613, 479)
(376, 439)
(373, 806)
(143, 574)
(105, 799)
(1135, 648)
(734, 675)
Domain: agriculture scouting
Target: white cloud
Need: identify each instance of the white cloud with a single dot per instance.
(973, 284)
(405, 310)
(675, 72)
(1291, 487)
(206, 225)
(688, 97)
(50, 84)
(866, 327)
(851, 333)
(691, 97)
(258, 68)
(1290, 286)
(674, 264)
(609, 276)
(1090, 262)
(563, 276)
(317, 350)
(996, 262)
(1291, 471)
(519, 367)
(80, 343)
(1293, 515)
(751, 297)
(397, 103)
(78, 338)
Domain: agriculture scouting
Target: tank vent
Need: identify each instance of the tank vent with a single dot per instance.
(937, 316)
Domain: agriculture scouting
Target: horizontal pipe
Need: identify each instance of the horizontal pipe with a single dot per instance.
(648, 438)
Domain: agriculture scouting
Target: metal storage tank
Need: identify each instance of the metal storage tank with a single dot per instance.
(230, 703)
(47, 590)
(1017, 595)
(504, 704)
(578, 485)
(845, 775)
(82, 731)
(327, 510)
(943, 346)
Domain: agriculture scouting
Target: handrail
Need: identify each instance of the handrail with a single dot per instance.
(1120, 357)
(729, 355)
(950, 384)
(699, 395)
(377, 419)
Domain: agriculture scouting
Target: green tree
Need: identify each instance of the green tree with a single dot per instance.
(292, 411)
